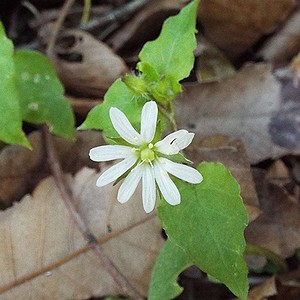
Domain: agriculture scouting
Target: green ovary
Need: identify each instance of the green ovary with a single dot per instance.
(147, 155)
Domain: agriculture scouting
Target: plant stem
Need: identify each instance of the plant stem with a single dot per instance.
(86, 13)
(169, 113)
(270, 255)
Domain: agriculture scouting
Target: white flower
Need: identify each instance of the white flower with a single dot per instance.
(145, 159)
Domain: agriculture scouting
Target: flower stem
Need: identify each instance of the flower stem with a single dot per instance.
(169, 113)
(86, 12)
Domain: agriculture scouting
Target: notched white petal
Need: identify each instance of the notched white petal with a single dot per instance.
(109, 152)
(166, 185)
(180, 171)
(184, 140)
(148, 189)
(148, 121)
(174, 142)
(123, 127)
(116, 171)
(129, 184)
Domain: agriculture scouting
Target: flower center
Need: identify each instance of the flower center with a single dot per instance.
(147, 154)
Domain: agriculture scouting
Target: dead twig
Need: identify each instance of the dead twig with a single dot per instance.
(57, 26)
(57, 174)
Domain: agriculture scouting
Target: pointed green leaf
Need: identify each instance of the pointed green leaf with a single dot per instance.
(214, 221)
(10, 116)
(172, 260)
(171, 54)
(41, 93)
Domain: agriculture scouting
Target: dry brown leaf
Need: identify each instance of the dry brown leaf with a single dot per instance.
(251, 105)
(21, 169)
(86, 65)
(233, 155)
(278, 227)
(235, 25)
(82, 106)
(212, 64)
(144, 26)
(285, 44)
(42, 254)
(263, 291)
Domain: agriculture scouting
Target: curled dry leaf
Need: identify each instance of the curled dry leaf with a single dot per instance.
(86, 65)
(285, 43)
(21, 169)
(144, 26)
(212, 64)
(278, 227)
(231, 153)
(251, 105)
(43, 256)
(82, 105)
(261, 292)
(235, 25)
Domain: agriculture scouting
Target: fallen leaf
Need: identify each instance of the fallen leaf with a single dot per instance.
(251, 105)
(82, 106)
(235, 25)
(263, 291)
(285, 286)
(278, 173)
(284, 44)
(278, 227)
(57, 265)
(212, 64)
(86, 65)
(21, 169)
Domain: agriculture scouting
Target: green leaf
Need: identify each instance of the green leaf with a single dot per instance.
(10, 116)
(172, 260)
(209, 225)
(41, 93)
(125, 99)
(171, 54)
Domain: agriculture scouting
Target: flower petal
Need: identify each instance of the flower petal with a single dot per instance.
(149, 189)
(166, 185)
(180, 171)
(109, 152)
(129, 184)
(148, 121)
(123, 127)
(174, 142)
(116, 171)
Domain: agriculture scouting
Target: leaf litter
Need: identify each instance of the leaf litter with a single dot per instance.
(251, 116)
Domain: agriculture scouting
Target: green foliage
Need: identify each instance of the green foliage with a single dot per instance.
(206, 229)
(42, 99)
(170, 56)
(30, 91)
(171, 261)
(164, 62)
(209, 225)
(10, 115)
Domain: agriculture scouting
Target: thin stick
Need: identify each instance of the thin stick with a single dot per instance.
(57, 174)
(57, 26)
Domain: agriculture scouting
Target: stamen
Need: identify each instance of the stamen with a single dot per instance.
(150, 146)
